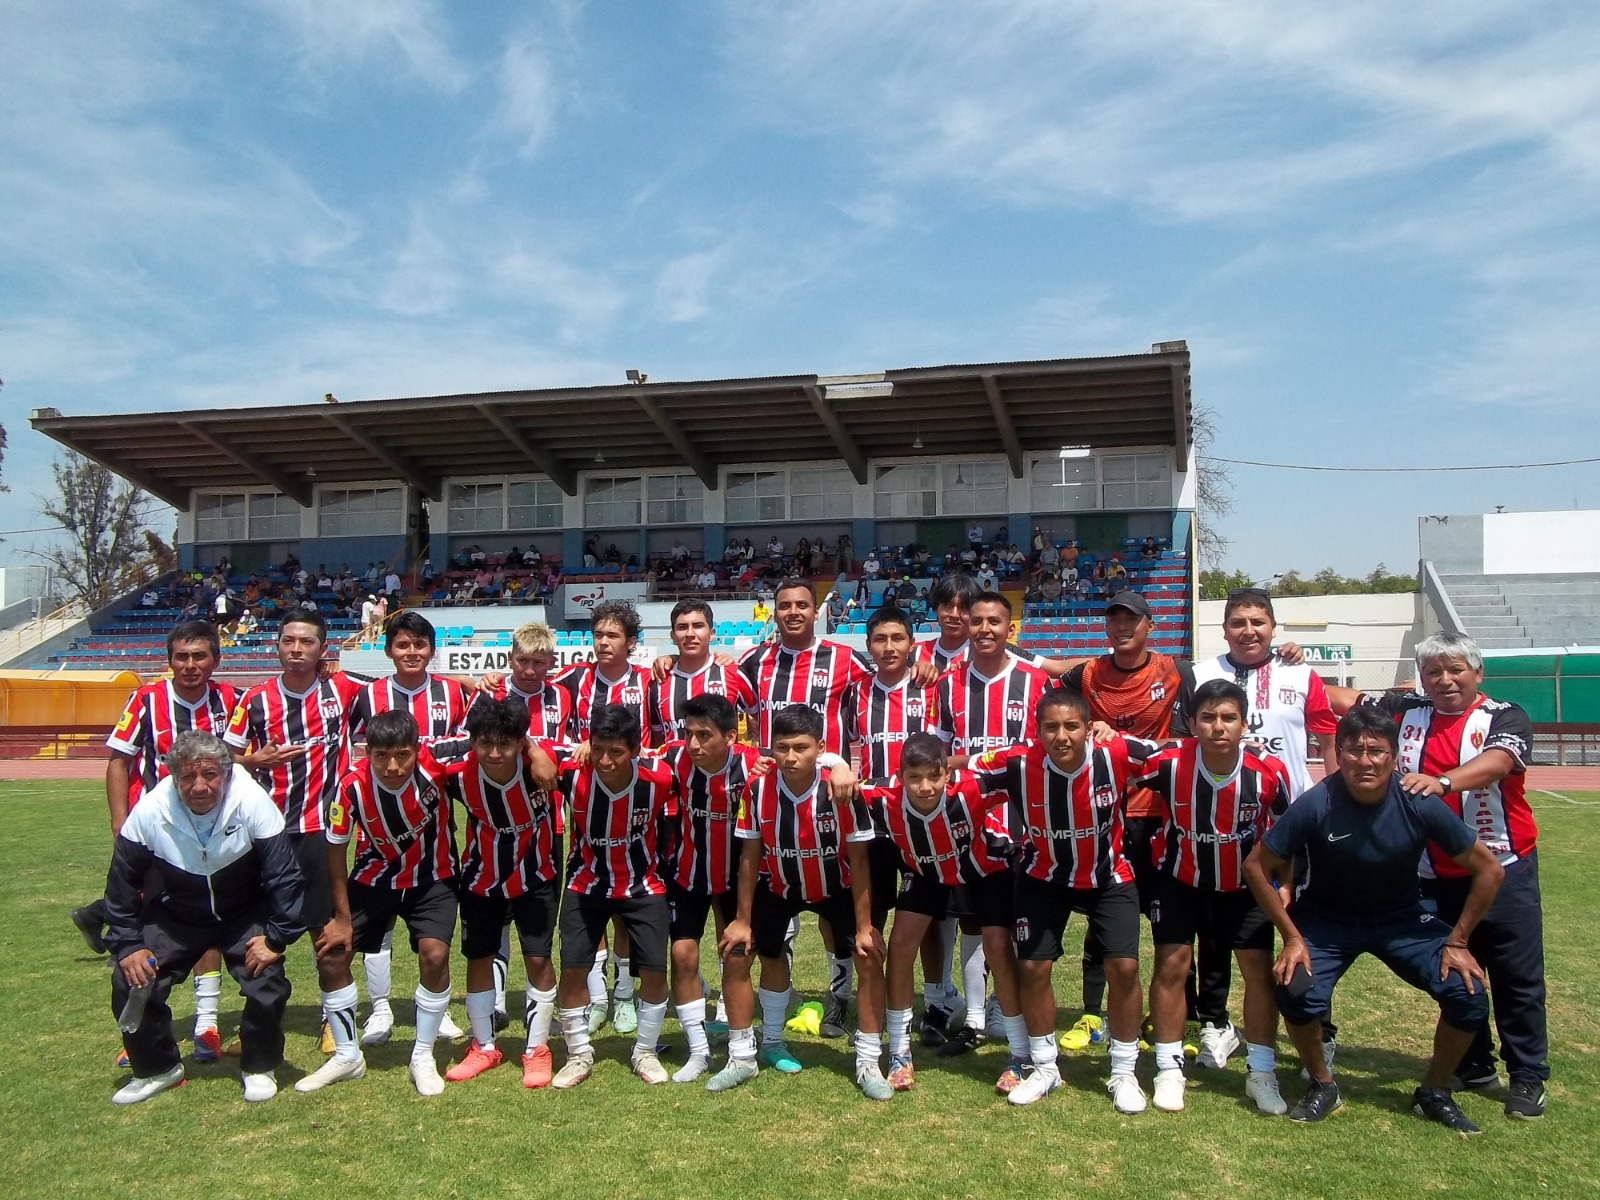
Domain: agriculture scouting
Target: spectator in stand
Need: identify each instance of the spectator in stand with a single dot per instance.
(890, 597)
(511, 593)
(871, 568)
(1116, 570)
(679, 552)
(975, 536)
(952, 559)
(774, 549)
(151, 599)
(1015, 560)
(1098, 578)
(1050, 557)
(837, 608)
(1050, 589)
(552, 577)
(532, 558)
(324, 580)
(863, 596)
(845, 554)
(511, 558)
(392, 588)
(921, 560)
(1002, 536)
(802, 554)
(986, 578)
(749, 551)
(373, 612)
(371, 575)
(591, 552)
(1083, 589)
(707, 581)
(613, 556)
(477, 556)
(1150, 549)
(1069, 553)
(969, 560)
(734, 553)
(1039, 541)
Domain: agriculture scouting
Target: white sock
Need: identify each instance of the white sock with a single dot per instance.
(1017, 1037)
(973, 968)
(899, 1021)
(501, 966)
(1261, 1058)
(869, 1048)
(541, 1009)
(692, 1016)
(841, 977)
(722, 1006)
(339, 1007)
(1042, 1052)
(932, 995)
(480, 1017)
(624, 988)
(431, 1008)
(376, 968)
(774, 1007)
(1168, 1055)
(649, 1032)
(575, 1031)
(789, 936)
(741, 1044)
(597, 979)
(1125, 1056)
(207, 998)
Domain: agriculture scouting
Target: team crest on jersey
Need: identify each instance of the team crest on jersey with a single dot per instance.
(736, 795)
(330, 710)
(827, 823)
(1477, 739)
(819, 679)
(961, 831)
(914, 710)
(639, 820)
(1248, 811)
(429, 795)
(1015, 711)
(439, 711)
(1105, 796)
(632, 695)
(715, 687)
(1288, 697)
(1158, 691)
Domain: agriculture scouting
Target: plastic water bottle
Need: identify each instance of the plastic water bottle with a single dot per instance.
(133, 1010)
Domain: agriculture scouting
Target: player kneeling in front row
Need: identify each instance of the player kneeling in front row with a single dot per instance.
(1219, 800)
(202, 861)
(802, 852)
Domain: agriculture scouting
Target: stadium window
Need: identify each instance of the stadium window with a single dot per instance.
(1136, 481)
(1063, 484)
(611, 501)
(352, 512)
(911, 490)
(821, 493)
(273, 517)
(533, 504)
(477, 507)
(756, 497)
(674, 499)
(220, 518)
(973, 489)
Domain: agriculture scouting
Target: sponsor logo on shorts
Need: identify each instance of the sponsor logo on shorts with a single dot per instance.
(1022, 930)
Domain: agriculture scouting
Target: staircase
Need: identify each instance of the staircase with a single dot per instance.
(20, 642)
(1486, 613)
(1519, 612)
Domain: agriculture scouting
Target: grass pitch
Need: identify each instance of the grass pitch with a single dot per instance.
(782, 1137)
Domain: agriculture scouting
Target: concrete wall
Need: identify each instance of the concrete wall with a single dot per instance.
(1454, 543)
(1373, 626)
(1540, 543)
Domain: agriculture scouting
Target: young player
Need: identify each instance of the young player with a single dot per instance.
(405, 867)
(1219, 798)
(802, 852)
(951, 600)
(510, 870)
(1065, 815)
(695, 672)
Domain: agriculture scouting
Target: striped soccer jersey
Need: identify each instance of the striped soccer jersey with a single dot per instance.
(668, 696)
(154, 715)
(439, 707)
(1212, 826)
(802, 837)
(549, 711)
(703, 857)
(615, 837)
(879, 719)
(406, 837)
(271, 715)
(933, 652)
(977, 714)
(817, 676)
(512, 830)
(588, 689)
(947, 845)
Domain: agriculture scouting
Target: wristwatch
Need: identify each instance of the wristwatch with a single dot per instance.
(1444, 782)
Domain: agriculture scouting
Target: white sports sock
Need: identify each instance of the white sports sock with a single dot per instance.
(207, 998)
(973, 968)
(1042, 1052)
(499, 968)
(741, 1044)
(841, 977)
(722, 1007)
(339, 1007)
(480, 1017)
(789, 936)
(899, 1022)
(1017, 1037)
(624, 988)
(431, 1008)
(932, 995)
(597, 978)
(540, 1010)
(869, 1048)
(1261, 1058)
(649, 1031)
(1125, 1056)
(774, 1007)
(575, 1030)
(1168, 1054)
(948, 928)
(692, 1016)
(376, 968)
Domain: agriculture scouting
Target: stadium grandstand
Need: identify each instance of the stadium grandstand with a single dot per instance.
(1066, 479)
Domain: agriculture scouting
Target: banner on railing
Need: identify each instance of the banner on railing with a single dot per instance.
(579, 599)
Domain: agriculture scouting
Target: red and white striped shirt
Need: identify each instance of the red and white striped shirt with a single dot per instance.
(947, 845)
(615, 836)
(802, 837)
(513, 831)
(439, 707)
(271, 715)
(977, 714)
(549, 710)
(588, 690)
(879, 719)
(668, 696)
(1212, 825)
(703, 857)
(932, 651)
(154, 715)
(406, 837)
(817, 677)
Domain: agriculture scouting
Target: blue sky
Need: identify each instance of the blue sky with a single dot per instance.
(1375, 224)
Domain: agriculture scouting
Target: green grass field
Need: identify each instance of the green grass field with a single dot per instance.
(802, 1136)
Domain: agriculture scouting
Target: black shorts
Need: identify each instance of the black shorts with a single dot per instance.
(1043, 909)
(483, 918)
(770, 917)
(316, 903)
(886, 877)
(991, 901)
(919, 894)
(429, 911)
(584, 920)
(687, 912)
(1230, 920)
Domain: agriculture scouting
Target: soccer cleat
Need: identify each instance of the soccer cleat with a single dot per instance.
(1475, 1080)
(648, 1067)
(136, 1091)
(716, 1030)
(335, 1070)
(738, 1070)
(901, 1073)
(1169, 1089)
(597, 1017)
(1526, 1101)
(258, 1087)
(1016, 1068)
(964, 1039)
(207, 1045)
(325, 1041)
(693, 1070)
(1037, 1083)
(88, 923)
(1438, 1106)
(425, 1076)
(1088, 1030)
(448, 1029)
(833, 1017)
(501, 1019)
(776, 1055)
(1216, 1044)
(233, 1048)
(873, 1085)
(122, 1063)
(1321, 1100)
(624, 1016)
(1262, 1087)
(1127, 1097)
(1329, 1049)
(380, 1024)
(537, 1067)
(478, 1060)
(577, 1068)
(934, 1027)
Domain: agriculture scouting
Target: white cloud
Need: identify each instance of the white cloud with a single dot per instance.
(527, 94)
(331, 34)
(425, 277)
(684, 283)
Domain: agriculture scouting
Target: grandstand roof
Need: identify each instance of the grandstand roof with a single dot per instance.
(989, 408)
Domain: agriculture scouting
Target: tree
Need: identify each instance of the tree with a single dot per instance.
(104, 550)
(1213, 490)
(1215, 584)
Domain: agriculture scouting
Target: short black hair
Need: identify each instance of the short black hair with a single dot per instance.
(392, 729)
(684, 607)
(991, 598)
(412, 622)
(1062, 696)
(1250, 597)
(719, 710)
(195, 631)
(498, 720)
(306, 616)
(615, 722)
(795, 720)
(1213, 691)
(956, 588)
(1364, 720)
(922, 750)
(790, 584)
(890, 616)
(622, 612)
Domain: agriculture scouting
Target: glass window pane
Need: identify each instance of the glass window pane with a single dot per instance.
(1063, 485)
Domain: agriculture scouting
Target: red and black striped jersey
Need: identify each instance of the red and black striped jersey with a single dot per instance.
(817, 677)
(1211, 824)
(615, 837)
(947, 845)
(703, 857)
(154, 715)
(549, 711)
(586, 686)
(1068, 826)
(977, 714)
(802, 838)
(271, 715)
(439, 707)
(667, 697)
(513, 831)
(932, 651)
(406, 837)
(879, 719)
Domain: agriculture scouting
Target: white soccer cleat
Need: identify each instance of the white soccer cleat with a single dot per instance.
(1169, 1089)
(136, 1091)
(577, 1068)
(1127, 1097)
(597, 1016)
(1216, 1044)
(1037, 1083)
(1262, 1087)
(425, 1075)
(648, 1067)
(692, 1070)
(448, 1029)
(259, 1086)
(380, 1024)
(335, 1070)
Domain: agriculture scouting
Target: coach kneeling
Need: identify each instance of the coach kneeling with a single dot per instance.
(1364, 835)
(202, 861)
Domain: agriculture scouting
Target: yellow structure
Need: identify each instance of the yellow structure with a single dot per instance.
(63, 701)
